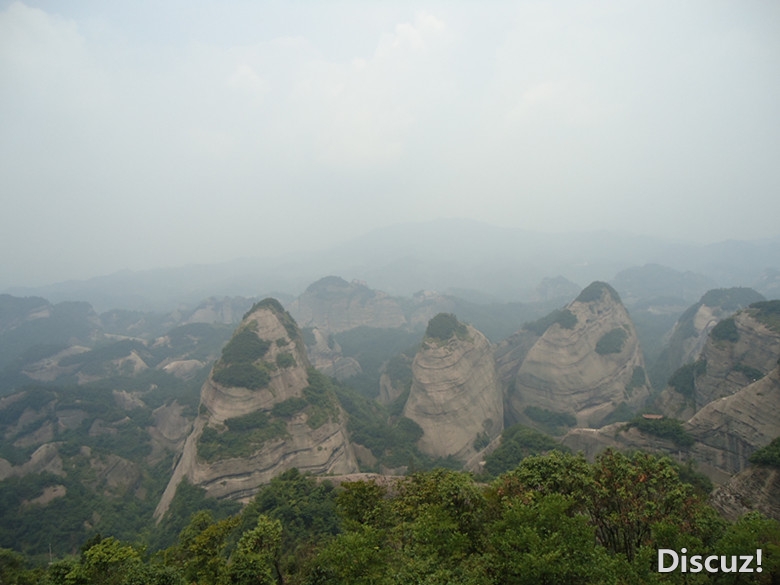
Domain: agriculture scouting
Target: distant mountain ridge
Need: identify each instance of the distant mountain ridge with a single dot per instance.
(443, 255)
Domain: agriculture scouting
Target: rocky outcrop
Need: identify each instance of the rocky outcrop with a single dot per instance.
(738, 351)
(755, 488)
(332, 304)
(724, 433)
(728, 430)
(455, 396)
(586, 362)
(261, 414)
(325, 355)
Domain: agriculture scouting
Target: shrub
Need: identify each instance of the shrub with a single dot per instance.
(665, 428)
(563, 317)
(594, 292)
(768, 455)
(242, 376)
(285, 360)
(549, 418)
(726, 330)
(443, 326)
(289, 407)
(244, 347)
(612, 341)
(638, 379)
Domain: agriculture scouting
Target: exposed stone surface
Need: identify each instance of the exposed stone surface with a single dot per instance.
(455, 395)
(320, 450)
(564, 372)
(757, 347)
(728, 430)
(325, 355)
(332, 304)
(755, 488)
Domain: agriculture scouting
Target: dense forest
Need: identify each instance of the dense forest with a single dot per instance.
(554, 518)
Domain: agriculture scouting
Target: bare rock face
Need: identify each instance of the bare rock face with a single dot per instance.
(332, 304)
(692, 329)
(738, 351)
(455, 395)
(756, 488)
(728, 430)
(725, 432)
(263, 411)
(586, 363)
(325, 355)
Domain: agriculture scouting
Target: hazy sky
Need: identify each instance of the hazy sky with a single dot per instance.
(153, 133)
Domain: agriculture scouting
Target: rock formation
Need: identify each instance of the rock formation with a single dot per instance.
(332, 304)
(325, 355)
(263, 410)
(586, 362)
(755, 488)
(455, 396)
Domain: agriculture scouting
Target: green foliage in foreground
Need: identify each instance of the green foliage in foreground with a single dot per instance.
(552, 519)
(769, 455)
(517, 443)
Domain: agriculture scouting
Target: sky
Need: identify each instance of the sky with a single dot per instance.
(159, 133)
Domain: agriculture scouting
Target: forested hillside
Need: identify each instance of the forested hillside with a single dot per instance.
(553, 519)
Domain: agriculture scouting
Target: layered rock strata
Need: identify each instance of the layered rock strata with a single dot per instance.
(455, 396)
(586, 363)
(310, 437)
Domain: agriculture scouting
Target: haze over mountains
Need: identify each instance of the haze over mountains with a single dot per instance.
(473, 260)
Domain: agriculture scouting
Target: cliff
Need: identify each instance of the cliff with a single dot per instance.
(332, 304)
(586, 362)
(455, 396)
(263, 410)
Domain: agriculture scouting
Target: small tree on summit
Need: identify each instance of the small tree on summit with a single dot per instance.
(443, 326)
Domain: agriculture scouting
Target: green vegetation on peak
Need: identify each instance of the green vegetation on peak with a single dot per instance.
(595, 291)
(563, 317)
(444, 326)
(245, 347)
(731, 299)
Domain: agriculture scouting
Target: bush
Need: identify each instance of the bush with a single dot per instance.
(244, 347)
(638, 379)
(665, 428)
(289, 407)
(768, 456)
(563, 317)
(285, 360)
(726, 330)
(594, 292)
(552, 420)
(612, 341)
(242, 376)
(517, 443)
(443, 326)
